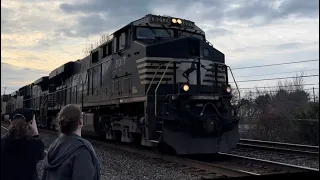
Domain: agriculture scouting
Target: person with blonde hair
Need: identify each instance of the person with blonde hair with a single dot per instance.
(70, 156)
(21, 147)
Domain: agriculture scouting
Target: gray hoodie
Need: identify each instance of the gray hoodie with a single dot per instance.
(71, 157)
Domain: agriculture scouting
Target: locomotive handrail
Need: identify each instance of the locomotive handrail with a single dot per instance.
(156, 90)
(235, 83)
(154, 75)
(45, 100)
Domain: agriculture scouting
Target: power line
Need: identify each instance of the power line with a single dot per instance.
(277, 73)
(294, 62)
(295, 85)
(251, 80)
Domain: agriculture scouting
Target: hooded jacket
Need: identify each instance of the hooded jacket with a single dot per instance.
(19, 158)
(71, 157)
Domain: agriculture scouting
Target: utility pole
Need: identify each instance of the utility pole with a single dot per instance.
(4, 91)
(314, 95)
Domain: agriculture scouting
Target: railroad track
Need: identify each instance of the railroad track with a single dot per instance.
(279, 147)
(205, 170)
(210, 168)
(266, 167)
(227, 165)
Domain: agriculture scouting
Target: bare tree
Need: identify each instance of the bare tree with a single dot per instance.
(104, 38)
(274, 112)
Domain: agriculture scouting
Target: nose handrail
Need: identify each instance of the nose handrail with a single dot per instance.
(235, 82)
(156, 90)
(154, 75)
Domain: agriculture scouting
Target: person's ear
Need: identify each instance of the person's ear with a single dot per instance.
(81, 121)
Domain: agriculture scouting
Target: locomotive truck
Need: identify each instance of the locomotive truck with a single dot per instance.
(155, 81)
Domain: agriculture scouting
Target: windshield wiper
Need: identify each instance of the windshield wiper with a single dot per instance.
(166, 29)
(152, 30)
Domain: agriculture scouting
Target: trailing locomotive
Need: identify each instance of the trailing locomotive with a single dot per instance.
(156, 81)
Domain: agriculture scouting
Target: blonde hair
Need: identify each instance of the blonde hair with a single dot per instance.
(69, 118)
(19, 129)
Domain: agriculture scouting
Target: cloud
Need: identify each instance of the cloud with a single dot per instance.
(99, 16)
(44, 34)
(265, 11)
(13, 77)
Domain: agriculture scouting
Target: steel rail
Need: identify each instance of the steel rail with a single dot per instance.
(289, 167)
(279, 146)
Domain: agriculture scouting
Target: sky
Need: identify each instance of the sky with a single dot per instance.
(37, 36)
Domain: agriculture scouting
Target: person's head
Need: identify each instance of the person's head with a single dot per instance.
(20, 120)
(70, 119)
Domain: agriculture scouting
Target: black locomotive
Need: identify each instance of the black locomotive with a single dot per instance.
(155, 81)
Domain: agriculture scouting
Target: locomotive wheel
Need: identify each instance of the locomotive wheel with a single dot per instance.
(118, 135)
(101, 132)
(136, 140)
(99, 127)
(48, 125)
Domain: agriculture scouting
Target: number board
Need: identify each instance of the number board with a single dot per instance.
(159, 19)
(188, 23)
(167, 20)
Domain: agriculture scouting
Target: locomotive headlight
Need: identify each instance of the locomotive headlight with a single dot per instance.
(186, 87)
(174, 20)
(228, 89)
(179, 21)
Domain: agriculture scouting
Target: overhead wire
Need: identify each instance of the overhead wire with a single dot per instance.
(268, 79)
(294, 85)
(277, 64)
(278, 73)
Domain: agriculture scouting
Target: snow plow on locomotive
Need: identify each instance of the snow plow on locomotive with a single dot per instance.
(155, 81)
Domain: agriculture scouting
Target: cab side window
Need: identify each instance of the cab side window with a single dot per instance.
(107, 50)
(122, 40)
(122, 43)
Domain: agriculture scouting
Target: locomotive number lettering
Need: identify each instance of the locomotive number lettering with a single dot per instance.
(120, 62)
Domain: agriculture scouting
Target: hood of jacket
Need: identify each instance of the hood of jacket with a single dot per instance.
(61, 150)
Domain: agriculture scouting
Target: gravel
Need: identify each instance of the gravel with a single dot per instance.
(120, 165)
(288, 158)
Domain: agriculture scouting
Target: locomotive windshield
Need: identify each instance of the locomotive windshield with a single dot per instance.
(156, 33)
(153, 33)
(189, 34)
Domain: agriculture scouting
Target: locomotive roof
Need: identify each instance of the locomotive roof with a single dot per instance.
(146, 20)
(41, 80)
(62, 69)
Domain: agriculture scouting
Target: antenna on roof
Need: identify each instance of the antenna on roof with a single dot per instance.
(4, 90)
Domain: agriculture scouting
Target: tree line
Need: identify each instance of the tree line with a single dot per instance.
(286, 113)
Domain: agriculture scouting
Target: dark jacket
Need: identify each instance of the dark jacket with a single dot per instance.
(71, 157)
(19, 158)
